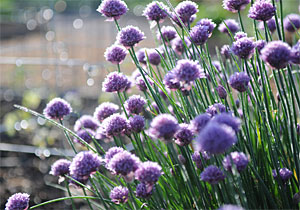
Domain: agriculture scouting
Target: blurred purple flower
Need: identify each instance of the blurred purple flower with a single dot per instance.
(232, 25)
(199, 122)
(178, 46)
(235, 5)
(291, 22)
(212, 174)
(137, 123)
(135, 104)
(168, 33)
(184, 135)
(239, 81)
(164, 126)
(239, 159)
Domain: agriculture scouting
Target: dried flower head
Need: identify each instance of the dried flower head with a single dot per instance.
(239, 81)
(148, 172)
(86, 121)
(156, 11)
(115, 54)
(239, 159)
(18, 201)
(119, 194)
(164, 126)
(235, 5)
(262, 10)
(57, 109)
(232, 25)
(114, 125)
(104, 110)
(112, 9)
(130, 36)
(212, 174)
(291, 22)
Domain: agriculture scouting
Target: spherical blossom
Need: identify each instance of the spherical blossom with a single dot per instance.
(232, 25)
(153, 56)
(270, 23)
(141, 56)
(260, 44)
(112, 152)
(221, 92)
(112, 9)
(84, 164)
(168, 33)
(114, 125)
(178, 46)
(239, 159)
(141, 84)
(137, 123)
(143, 191)
(170, 81)
(199, 34)
(295, 53)
(291, 22)
(86, 134)
(164, 127)
(187, 71)
(57, 108)
(135, 104)
(216, 138)
(130, 36)
(230, 207)
(276, 54)
(148, 172)
(228, 119)
(185, 10)
(200, 121)
(119, 195)
(184, 135)
(235, 5)
(212, 174)
(243, 47)
(239, 35)
(115, 54)
(86, 121)
(104, 110)
(18, 201)
(60, 167)
(225, 50)
(284, 173)
(208, 23)
(215, 109)
(197, 159)
(262, 10)
(115, 82)
(156, 11)
(123, 163)
(239, 81)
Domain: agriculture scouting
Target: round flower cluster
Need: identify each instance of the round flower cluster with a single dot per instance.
(148, 172)
(284, 174)
(86, 134)
(114, 125)
(179, 46)
(57, 109)
(18, 201)
(143, 191)
(208, 23)
(270, 23)
(119, 194)
(141, 84)
(156, 11)
(243, 47)
(291, 22)
(235, 5)
(262, 10)
(295, 53)
(153, 56)
(185, 10)
(115, 82)
(239, 35)
(199, 122)
(187, 71)
(60, 167)
(137, 123)
(168, 33)
(86, 122)
(104, 110)
(115, 54)
(184, 135)
(112, 9)
(212, 174)
(260, 44)
(221, 92)
(215, 109)
(200, 34)
(239, 81)
(239, 159)
(230, 24)
(135, 104)
(228, 119)
(130, 36)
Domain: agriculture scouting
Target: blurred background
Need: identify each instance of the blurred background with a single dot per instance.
(55, 48)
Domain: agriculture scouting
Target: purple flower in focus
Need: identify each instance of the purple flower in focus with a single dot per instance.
(170, 81)
(235, 5)
(239, 159)
(185, 10)
(143, 191)
(115, 82)
(104, 110)
(215, 109)
(86, 134)
(184, 135)
(18, 201)
(270, 23)
(114, 125)
(199, 122)
(239, 35)
(153, 56)
(276, 54)
(208, 23)
(86, 121)
(260, 44)
(232, 25)
(123, 163)
(291, 22)
(199, 34)
(178, 46)
(187, 71)
(130, 36)
(115, 54)
(119, 195)
(262, 10)
(225, 50)
(112, 152)
(295, 53)
(148, 172)
(60, 167)
(216, 138)
(137, 123)
(168, 33)
(243, 47)
(228, 119)
(156, 11)
(284, 173)
(57, 108)
(230, 207)
(164, 126)
(221, 92)
(212, 174)
(239, 81)
(141, 84)
(135, 104)
(112, 9)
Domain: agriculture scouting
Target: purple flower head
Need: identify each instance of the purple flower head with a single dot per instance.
(84, 164)
(225, 50)
(123, 163)
(184, 135)
(57, 108)
(143, 190)
(221, 92)
(239, 159)
(141, 56)
(137, 123)
(140, 83)
(208, 23)
(284, 173)
(119, 195)
(271, 25)
(153, 56)
(115, 82)
(260, 44)
(232, 25)
(112, 9)
(199, 34)
(115, 54)
(156, 11)
(170, 81)
(168, 33)
(276, 54)
(262, 10)
(216, 138)
(60, 167)
(18, 201)
(295, 53)
(112, 152)
(86, 121)
(86, 134)
(230, 207)
(187, 71)
(291, 22)
(200, 121)
(212, 174)
(235, 5)
(185, 10)
(114, 125)
(100, 134)
(197, 159)
(135, 104)
(178, 45)
(130, 36)
(164, 126)
(243, 47)
(148, 172)
(239, 81)
(239, 35)
(215, 109)
(104, 110)
(228, 119)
